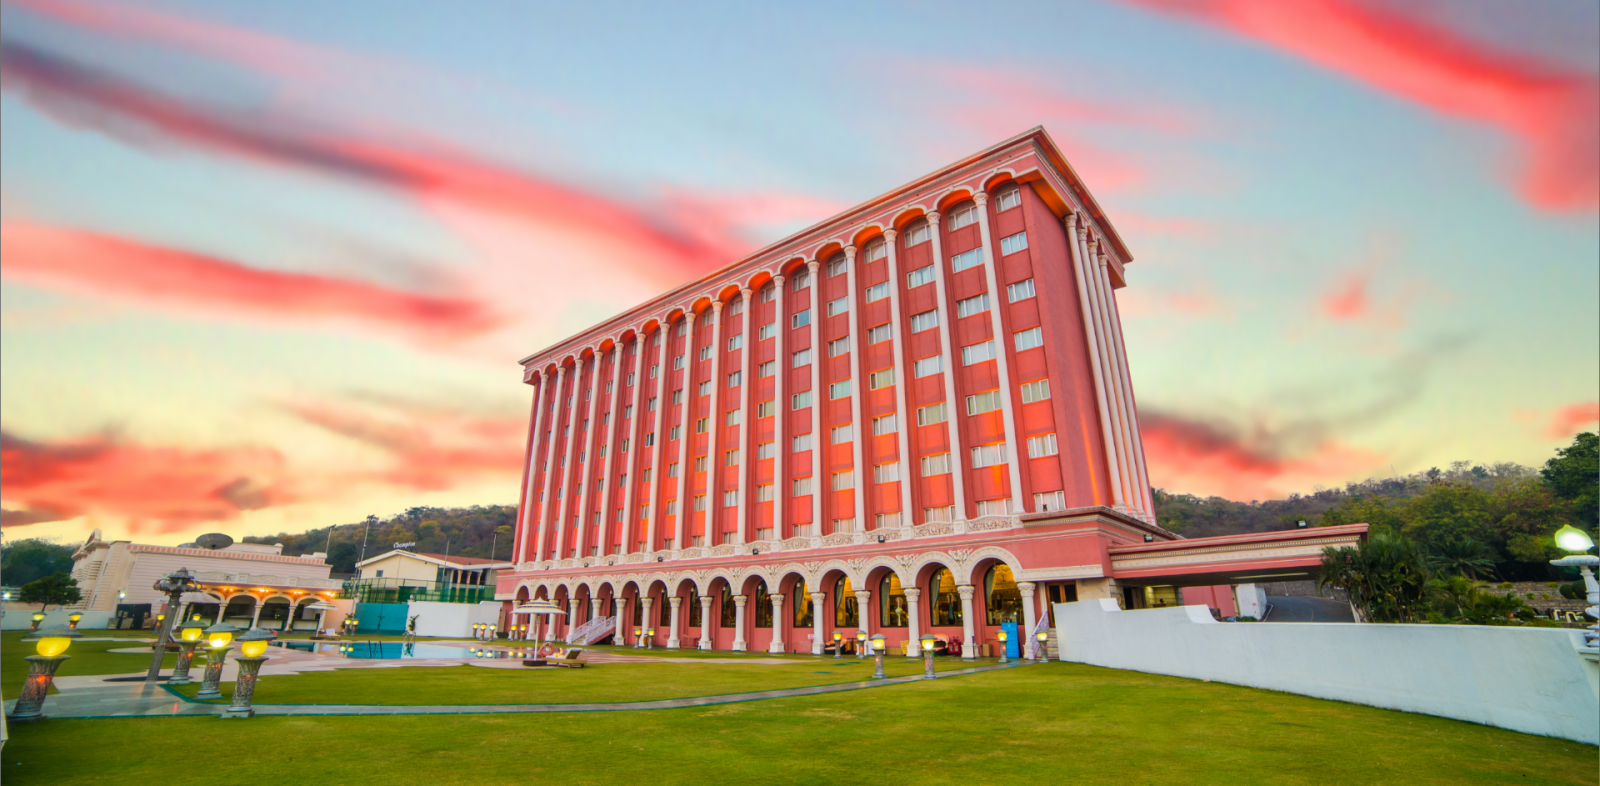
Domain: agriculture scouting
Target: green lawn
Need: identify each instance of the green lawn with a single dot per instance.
(1038, 724)
(604, 682)
(87, 657)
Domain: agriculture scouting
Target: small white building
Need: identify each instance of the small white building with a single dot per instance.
(441, 595)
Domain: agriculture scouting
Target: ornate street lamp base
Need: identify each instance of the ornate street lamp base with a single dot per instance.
(244, 687)
(41, 672)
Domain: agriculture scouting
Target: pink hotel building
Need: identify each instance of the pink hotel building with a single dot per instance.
(915, 416)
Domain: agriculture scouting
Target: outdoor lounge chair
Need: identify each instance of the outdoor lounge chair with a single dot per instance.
(567, 658)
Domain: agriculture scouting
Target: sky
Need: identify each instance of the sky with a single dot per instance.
(266, 267)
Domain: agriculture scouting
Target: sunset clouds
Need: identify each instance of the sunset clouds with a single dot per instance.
(1185, 453)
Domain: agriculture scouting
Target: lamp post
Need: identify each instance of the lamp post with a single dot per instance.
(1043, 638)
(252, 653)
(650, 639)
(72, 619)
(879, 644)
(928, 642)
(861, 644)
(38, 617)
(838, 644)
(173, 585)
(188, 638)
(1577, 543)
(1002, 635)
(218, 639)
(53, 642)
(637, 641)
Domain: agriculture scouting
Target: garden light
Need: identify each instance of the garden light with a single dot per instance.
(1003, 636)
(38, 617)
(838, 640)
(928, 643)
(861, 644)
(879, 644)
(219, 635)
(72, 619)
(1574, 540)
(253, 644)
(1044, 639)
(188, 639)
(252, 651)
(52, 642)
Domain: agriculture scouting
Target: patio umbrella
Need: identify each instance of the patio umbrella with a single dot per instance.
(322, 607)
(535, 608)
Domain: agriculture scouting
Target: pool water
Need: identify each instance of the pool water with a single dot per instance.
(395, 650)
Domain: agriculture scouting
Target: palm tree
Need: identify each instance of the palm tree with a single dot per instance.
(1386, 577)
(1466, 557)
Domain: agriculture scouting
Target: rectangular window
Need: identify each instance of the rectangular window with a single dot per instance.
(730, 498)
(800, 400)
(938, 464)
(624, 447)
(966, 260)
(877, 292)
(1008, 200)
(888, 424)
(842, 434)
(735, 342)
(650, 439)
(627, 411)
(1028, 339)
(644, 477)
(764, 534)
(766, 331)
(732, 417)
(619, 514)
(677, 396)
(917, 235)
(683, 328)
(994, 507)
(672, 470)
(605, 418)
(764, 493)
(964, 217)
(699, 502)
(1038, 390)
(603, 450)
(879, 334)
(844, 525)
(927, 367)
(677, 362)
(644, 512)
(766, 369)
(1047, 501)
(731, 458)
(944, 514)
(840, 389)
(983, 402)
(766, 409)
(610, 383)
(702, 425)
(623, 480)
(836, 267)
(927, 320)
(988, 455)
(802, 487)
(804, 530)
(1041, 446)
(766, 450)
(977, 304)
(650, 406)
(802, 442)
(920, 276)
(801, 358)
(675, 432)
(655, 370)
(877, 251)
(888, 520)
(630, 378)
(838, 306)
(736, 307)
(1014, 243)
(705, 388)
(699, 463)
(802, 279)
(931, 414)
(844, 480)
(705, 353)
(801, 319)
(838, 347)
(977, 353)
(1022, 290)
(769, 293)
(735, 379)
(880, 379)
(886, 473)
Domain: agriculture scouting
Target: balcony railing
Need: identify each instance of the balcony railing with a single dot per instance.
(406, 590)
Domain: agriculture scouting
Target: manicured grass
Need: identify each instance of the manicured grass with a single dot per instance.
(603, 682)
(1038, 724)
(87, 657)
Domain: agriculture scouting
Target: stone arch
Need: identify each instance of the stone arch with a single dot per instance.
(790, 266)
(866, 234)
(955, 196)
(1000, 178)
(978, 562)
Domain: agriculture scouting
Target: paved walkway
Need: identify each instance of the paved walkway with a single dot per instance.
(123, 700)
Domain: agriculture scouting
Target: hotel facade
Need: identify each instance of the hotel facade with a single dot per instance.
(916, 416)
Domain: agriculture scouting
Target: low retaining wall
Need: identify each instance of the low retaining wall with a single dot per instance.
(1532, 680)
(20, 617)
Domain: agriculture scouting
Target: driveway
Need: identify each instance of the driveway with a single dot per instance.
(1302, 609)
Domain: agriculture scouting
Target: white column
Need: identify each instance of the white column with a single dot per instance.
(1136, 461)
(713, 520)
(672, 632)
(548, 501)
(572, 617)
(679, 530)
(778, 645)
(222, 609)
(1080, 271)
(630, 517)
(572, 459)
(747, 418)
(621, 608)
(533, 469)
(1029, 618)
(781, 490)
(947, 311)
(969, 648)
(614, 455)
(1113, 392)
(817, 628)
(591, 436)
(646, 607)
(739, 643)
(255, 618)
(914, 613)
(1017, 461)
(860, 431)
(819, 398)
(706, 627)
(658, 473)
(864, 610)
(905, 418)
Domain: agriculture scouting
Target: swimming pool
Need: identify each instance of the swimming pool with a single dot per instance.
(395, 650)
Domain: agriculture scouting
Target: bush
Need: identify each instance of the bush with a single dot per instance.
(1506, 585)
(1572, 590)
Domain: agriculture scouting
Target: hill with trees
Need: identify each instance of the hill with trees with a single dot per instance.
(479, 531)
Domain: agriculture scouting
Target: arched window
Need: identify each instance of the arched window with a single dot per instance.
(694, 607)
(638, 613)
(896, 614)
(665, 617)
(945, 611)
(729, 610)
(763, 605)
(1004, 599)
(802, 606)
(844, 606)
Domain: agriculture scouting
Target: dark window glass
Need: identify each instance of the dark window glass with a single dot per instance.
(945, 611)
(1003, 597)
(729, 610)
(763, 605)
(896, 613)
(802, 606)
(694, 608)
(666, 612)
(844, 607)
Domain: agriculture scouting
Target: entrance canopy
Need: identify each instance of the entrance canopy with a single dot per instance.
(1290, 555)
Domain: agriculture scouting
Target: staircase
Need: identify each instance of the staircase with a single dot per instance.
(593, 631)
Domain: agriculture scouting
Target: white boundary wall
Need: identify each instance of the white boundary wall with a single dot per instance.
(1532, 680)
(452, 620)
(20, 617)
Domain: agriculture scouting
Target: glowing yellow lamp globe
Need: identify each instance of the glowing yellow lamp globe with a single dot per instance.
(1002, 634)
(253, 649)
(1570, 538)
(1043, 636)
(191, 631)
(51, 646)
(929, 643)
